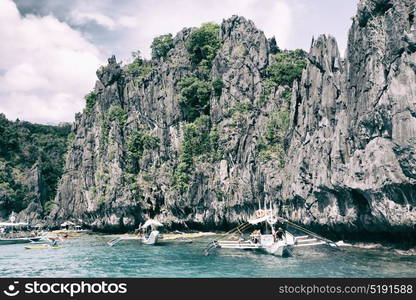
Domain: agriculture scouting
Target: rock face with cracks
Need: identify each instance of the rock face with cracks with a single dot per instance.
(350, 162)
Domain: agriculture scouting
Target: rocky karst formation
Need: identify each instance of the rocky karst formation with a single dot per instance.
(350, 153)
(98, 187)
(31, 162)
(351, 161)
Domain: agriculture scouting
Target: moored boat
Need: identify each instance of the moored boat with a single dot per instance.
(268, 236)
(12, 232)
(148, 234)
(24, 240)
(40, 247)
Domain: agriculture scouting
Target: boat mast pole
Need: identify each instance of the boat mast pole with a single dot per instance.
(271, 214)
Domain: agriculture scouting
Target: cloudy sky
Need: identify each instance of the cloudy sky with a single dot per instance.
(51, 48)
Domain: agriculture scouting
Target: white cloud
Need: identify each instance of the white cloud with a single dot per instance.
(81, 18)
(274, 17)
(51, 108)
(48, 67)
(127, 21)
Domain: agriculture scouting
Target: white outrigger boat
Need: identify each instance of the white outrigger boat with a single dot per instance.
(11, 232)
(269, 238)
(148, 234)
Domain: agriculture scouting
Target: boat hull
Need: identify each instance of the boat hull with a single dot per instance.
(18, 241)
(265, 243)
(277, 249)
(152, 239)
(40, 247)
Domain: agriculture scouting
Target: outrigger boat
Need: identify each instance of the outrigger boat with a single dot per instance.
(148, 234)
(41, 247)
(70, 229)
(269, 237)
(24, 240)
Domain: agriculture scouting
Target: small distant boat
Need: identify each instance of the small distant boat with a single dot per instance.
(24, 240)
(150, 237)
(70, 229)
(148, 234)
(48, 242)
(40, 247)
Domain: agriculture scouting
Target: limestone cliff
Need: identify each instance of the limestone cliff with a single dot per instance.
(98, 186)
(351, 162)
(350, 147)
(31, 163)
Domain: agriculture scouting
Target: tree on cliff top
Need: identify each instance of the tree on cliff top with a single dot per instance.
(287, 67)
(203, 44)
(161, 46)
(194, 97)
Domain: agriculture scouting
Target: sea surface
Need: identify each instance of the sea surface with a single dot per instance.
(90, 256)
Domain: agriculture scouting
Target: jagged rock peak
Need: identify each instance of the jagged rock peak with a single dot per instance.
(369, 8)
(110, 73)
(182, 35)
(238, 32)
(237, 23)
(324, 54)
(237, 27)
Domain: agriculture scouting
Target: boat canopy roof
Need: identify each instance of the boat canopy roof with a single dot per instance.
(67, 223)
(258, 220)
(261, 215)
(7, 224)
(151, 222)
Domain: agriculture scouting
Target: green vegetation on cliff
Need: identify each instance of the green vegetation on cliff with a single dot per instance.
(217, 85)
(161, 46)
(116, 113)
(28, 150)
(139, 141)
(90, 100)
(199, 140)
(139, 68)
(288, 66)
(194, 97)
(203, 44)
(271, 143)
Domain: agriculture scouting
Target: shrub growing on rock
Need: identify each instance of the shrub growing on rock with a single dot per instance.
(194, 97)
(116, 113)
(217, 85)
(198, 140)
(270, 145)
(139, 68)
(90, 100)
(203, 44)
(287, 67)
(161, 46)
(139, 141)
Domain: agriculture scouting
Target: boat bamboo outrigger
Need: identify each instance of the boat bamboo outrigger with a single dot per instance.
(268, 236)
(12, 237)
(148, 234)
(13, 232)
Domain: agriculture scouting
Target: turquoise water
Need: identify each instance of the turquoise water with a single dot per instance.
(89, 256)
